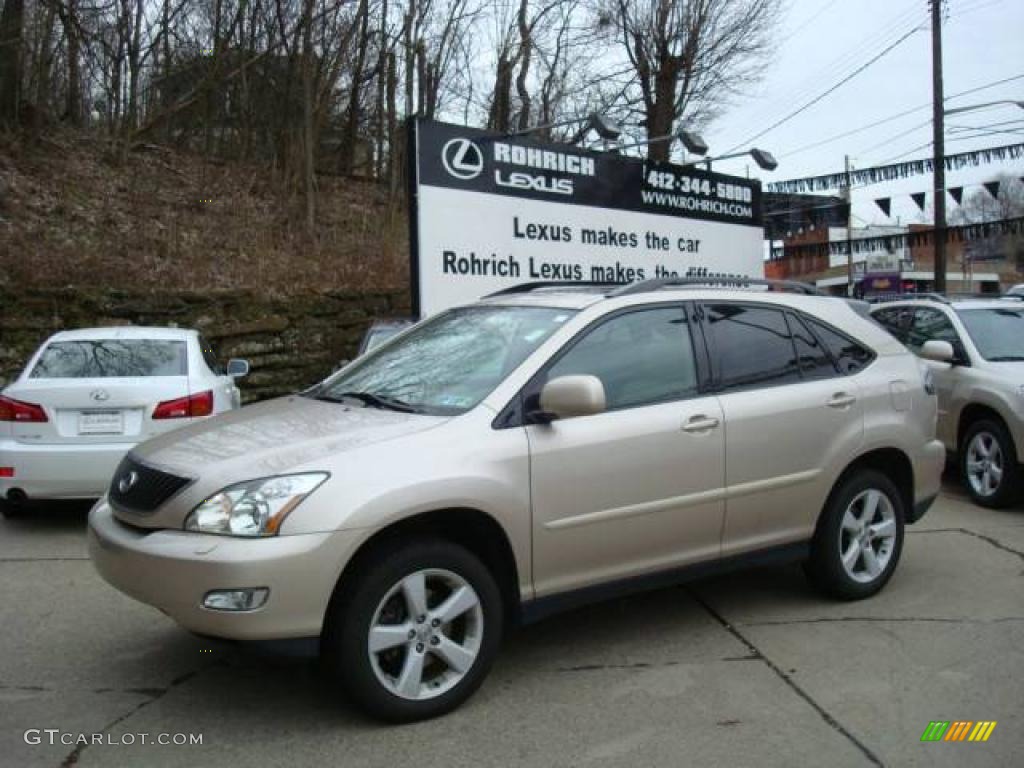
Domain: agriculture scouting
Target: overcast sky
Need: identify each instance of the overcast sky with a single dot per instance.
(822, 41)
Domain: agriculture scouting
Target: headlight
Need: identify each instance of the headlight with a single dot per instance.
(255, 507)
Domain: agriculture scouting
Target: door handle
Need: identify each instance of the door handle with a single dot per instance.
(841, 400)
(700, 424)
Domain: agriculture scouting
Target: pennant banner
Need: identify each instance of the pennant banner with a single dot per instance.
(922, 237)
(992, 187)
(885, 203)
(957, 193)
(878, 174)
(918, 198)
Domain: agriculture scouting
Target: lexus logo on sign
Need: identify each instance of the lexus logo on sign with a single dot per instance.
(462, 159)
(128, 481)
(99, 395)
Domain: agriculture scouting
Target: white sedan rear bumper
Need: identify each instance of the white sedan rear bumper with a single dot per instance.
(60, 471)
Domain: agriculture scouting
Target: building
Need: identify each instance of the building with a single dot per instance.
(890, 259)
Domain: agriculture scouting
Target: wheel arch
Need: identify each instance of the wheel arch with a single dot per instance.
(973, 412)
(891, 462)
(473, 529)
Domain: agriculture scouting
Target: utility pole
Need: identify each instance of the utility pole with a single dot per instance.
(938, 135)
(848, 194)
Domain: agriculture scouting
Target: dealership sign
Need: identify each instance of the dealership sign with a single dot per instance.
(490, 211)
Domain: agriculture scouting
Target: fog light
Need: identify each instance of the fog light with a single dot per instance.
(236, 599)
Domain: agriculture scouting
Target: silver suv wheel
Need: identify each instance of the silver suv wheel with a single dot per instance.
(425, 634)
(985, 464)
(867, 536)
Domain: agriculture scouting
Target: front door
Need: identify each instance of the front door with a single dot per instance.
(637, 488)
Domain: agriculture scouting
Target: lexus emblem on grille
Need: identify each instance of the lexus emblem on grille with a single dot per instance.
(99, 395)
(127, 481)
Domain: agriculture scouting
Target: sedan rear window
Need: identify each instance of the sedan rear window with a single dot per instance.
(110, 358)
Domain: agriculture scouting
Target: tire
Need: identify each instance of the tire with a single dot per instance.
(10, 510)
(865, 512)
(978, 470)
(381, 594)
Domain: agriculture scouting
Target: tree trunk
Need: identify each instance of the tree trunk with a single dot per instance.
(410, 17)
(382, 77)
(309, 168)
(134, 66)
(525, 49)
(73, 100)
(350, 134)
(12, 25)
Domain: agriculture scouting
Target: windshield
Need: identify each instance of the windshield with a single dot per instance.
(449, 363)
(111, 358)
(997, 332)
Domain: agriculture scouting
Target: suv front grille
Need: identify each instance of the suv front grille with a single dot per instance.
(137, 487)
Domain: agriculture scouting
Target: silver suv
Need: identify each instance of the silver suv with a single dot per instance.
(977, 351)
(542, 448)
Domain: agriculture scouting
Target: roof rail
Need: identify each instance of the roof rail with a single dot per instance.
(541, 284)
(645, 286)
(908, 297)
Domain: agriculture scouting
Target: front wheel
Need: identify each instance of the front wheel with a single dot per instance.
(415, 632)
(859, 537)
(988, 464)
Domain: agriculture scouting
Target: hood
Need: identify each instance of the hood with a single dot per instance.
(276, 436)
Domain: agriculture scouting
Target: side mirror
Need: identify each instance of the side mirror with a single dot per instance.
(568, 396)
(938, 351)
(238, 368)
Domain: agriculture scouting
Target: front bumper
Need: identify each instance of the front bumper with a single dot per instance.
(58, 471)
(928, 465)
(173, 570)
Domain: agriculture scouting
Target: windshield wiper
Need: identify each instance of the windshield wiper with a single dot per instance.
(1006, 359)
(371, 400)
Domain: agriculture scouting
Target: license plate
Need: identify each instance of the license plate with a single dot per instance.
(100, 423)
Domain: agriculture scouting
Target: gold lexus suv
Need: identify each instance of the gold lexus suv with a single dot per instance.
(547, 446)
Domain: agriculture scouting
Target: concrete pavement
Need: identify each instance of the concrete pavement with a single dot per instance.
(750, 669)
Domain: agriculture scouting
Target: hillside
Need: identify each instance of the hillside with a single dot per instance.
(76, 211)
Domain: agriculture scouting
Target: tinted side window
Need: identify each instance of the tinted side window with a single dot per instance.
(753, 346)
(814, 360)
(210, 357)
(641, 357)
(930, 325)
(850, 356)
(896, 320)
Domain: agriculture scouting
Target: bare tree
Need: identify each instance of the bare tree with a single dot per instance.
(691, 56)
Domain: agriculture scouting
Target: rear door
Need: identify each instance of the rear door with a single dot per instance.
(102, 390)
(790, 417)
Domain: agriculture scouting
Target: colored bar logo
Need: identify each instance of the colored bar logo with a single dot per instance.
(958, 730)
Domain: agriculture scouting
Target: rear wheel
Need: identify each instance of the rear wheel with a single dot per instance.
(988, 464)
(414, 633)
(10, 509)
(859, 537)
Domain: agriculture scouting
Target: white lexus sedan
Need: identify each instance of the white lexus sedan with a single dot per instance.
(88, 396)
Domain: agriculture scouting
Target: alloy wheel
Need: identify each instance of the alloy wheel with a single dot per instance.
(426, 634)
(984, 464)
(867, 536)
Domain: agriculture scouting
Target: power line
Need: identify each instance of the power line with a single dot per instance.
(840, 64)
(821, 96)
(897, 116)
